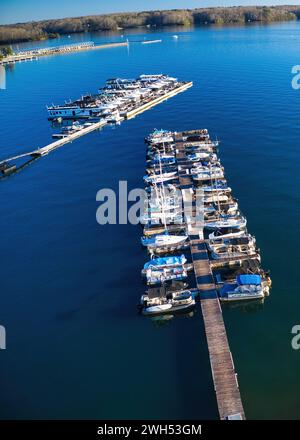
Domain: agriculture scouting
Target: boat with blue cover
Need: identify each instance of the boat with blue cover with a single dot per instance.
(162, 262)
(246, 287)
(225, 222)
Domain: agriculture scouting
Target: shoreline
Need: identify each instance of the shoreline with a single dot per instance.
(122, 22)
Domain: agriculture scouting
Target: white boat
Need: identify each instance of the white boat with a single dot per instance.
(158, 309)
(175, 217)
(72, 128)
(160, 178)
(151, 41)
(174, 302)
(157, 276)
(163, 240)
(114, 118)
(206, 169)
(216, 187)
(86, 106)
(164, 159)
(165, 262)
(240, 241)
(214, 198)
(160, 137)
(198, 156)
(234, 252)
(206, 175)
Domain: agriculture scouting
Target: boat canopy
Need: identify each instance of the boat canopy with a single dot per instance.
(165, 261)
(246, 279)
(163, 159)
(160, 131)
(227, 288)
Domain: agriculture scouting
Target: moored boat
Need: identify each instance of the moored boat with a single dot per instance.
(163, 240)
(246, 287)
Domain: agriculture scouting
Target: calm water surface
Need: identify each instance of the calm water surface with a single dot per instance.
(76, 348)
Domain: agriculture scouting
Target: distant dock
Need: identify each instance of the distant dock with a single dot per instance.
(184, 221)
(7, 169)
(34, 54)
(222, 367)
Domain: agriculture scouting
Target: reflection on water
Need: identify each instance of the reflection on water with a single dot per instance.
(162, 320)
(62, 257)
(251, 306)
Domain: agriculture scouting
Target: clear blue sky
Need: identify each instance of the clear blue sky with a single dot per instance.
(13, 11)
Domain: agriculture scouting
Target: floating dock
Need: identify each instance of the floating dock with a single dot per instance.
(34, 54)
(172, 161)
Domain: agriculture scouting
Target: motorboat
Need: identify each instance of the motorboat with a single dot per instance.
(207, 175)
(169, 302)
(160, 178)
(159, 137)
(163, 262)
(165, 239)
(217, 186)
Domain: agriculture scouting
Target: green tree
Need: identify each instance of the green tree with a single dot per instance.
(7, 51)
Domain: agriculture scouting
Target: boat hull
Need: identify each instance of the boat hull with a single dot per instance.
(151, 311)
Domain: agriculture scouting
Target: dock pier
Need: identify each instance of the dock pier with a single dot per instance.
(34, 54)
(222, 367)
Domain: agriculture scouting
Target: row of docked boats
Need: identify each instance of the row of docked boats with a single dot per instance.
(233, 254)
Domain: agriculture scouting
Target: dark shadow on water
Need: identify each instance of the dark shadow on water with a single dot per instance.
(69, 314)
(251, 306)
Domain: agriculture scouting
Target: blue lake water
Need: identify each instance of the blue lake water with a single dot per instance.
(76, 347)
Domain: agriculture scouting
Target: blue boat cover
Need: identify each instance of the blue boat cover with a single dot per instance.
(156, 131)
(165, 261)
(227, 288)
(248, 279)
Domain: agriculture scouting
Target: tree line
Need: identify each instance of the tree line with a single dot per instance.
(46, 29)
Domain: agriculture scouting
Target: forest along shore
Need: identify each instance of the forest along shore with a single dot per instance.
(46, 29)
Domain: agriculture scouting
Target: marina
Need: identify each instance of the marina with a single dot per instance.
(194, 226)
(118, 100)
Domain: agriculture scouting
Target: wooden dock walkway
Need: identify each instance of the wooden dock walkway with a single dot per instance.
(223, 371)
